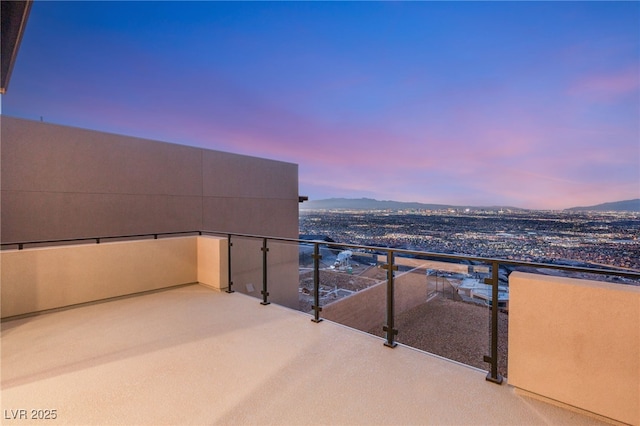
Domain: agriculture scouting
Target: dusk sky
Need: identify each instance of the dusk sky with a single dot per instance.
(530, 104)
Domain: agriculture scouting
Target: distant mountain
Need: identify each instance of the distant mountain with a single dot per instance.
(365, 204)
(371, 204)
(617, 206)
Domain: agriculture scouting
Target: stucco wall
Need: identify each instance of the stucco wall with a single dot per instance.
(62, 182)
(213, 262)
(456, 268)
(46, 278)
(366, 309)
(576, 342)
(38, 279)
(249, 195)
(362, 310)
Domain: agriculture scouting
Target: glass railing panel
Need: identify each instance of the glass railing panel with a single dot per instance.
(246, 265)
(442, 308)
(283, 273)
(305, 277)
(351, 289)
(503, 331)
(501, 328)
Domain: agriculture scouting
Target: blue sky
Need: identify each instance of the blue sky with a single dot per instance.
(529, 104)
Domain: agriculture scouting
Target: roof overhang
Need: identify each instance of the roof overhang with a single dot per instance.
(13, 17)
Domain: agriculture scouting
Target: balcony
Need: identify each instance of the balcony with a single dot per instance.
(193, 355)
(145, 345)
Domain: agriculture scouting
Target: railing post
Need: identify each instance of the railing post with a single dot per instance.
(316, 282)
(230, 282)
(388, 328)
(264, 292)
(493, 375)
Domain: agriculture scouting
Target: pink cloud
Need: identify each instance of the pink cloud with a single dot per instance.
(608, 86)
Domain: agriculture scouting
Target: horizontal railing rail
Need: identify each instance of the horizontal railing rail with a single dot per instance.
(377, 249)
(435, 255)
(21, 244)
(390, 266)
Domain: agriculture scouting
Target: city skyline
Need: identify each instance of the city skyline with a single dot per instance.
(531, 104)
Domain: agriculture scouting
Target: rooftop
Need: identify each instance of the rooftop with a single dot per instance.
(192, 355)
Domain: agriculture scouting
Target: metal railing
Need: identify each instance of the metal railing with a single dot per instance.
(21, 244)
(390, 266)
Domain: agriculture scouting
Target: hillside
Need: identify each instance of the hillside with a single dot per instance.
(365, 204)
(371, 204)
(617, 206)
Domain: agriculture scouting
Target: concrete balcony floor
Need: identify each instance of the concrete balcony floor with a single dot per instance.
(191, 355)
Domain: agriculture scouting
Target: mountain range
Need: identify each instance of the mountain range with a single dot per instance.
(371, 204)
(617, 206)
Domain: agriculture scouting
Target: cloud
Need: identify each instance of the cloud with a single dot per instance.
(608, 86)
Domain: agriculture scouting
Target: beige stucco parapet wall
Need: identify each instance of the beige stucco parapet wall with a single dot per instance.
(213, 262)
(576, 342)
(39, 279)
